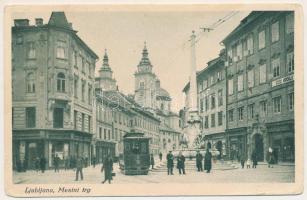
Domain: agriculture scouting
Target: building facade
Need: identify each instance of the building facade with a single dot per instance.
(260, 86)
(211, 85)
(52, 89)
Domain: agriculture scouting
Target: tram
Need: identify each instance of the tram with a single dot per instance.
(136, 157)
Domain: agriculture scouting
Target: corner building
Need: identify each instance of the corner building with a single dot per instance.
(52, 90)
(260, 86)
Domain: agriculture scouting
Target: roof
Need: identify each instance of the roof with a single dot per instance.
(163, 93)
(244, 22)
(58, 19)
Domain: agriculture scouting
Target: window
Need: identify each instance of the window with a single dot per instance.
(240, 82)
(261, 39)
(212, 80)
(290, 61)
(61, 49)
(275, 32)
(30, 82)
(220, 97)
(105, 134)
(31, 53)
(262, 73)
(75, 59)
(89, 95)
(230, 87)
(83, 90)
(89, 123)
(201, 105)
(75, 119)
(277, 104)
(230, 115)
(229, 54)
(205, 84)
(239, 51)
(240, 113)
(212, 101)
(30, 117)
(206, 122)
(83, 64)
(82, 122)
(76, 80)
(291, 101)
(220, 118)
(263, 108)
(290, 23)
(100, 132)
(142, 85)
(219, 76)
(212, 120)
(206, 103)
(250, 77)
(58, 117)
(109, 135)
(61, 82)
(250, 44)
(251, 111)
(19, 39)
(276, 67)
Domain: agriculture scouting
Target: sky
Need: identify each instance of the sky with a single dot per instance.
(167, 37)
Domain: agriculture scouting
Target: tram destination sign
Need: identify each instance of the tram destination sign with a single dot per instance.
(283, 80)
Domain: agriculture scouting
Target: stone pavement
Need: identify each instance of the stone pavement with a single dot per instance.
(221, 173)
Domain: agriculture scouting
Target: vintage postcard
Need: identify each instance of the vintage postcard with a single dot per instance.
(151, 100)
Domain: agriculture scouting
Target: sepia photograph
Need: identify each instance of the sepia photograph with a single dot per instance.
(148, 96)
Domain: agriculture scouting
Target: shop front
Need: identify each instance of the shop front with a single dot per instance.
(282, 141)
(31, 145)
(236, 143)
(102, 150)
(218, 143)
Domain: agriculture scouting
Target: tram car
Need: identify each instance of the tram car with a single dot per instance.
(136, 156)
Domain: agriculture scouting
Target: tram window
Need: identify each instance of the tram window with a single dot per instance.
(143, 147)
(135, 147)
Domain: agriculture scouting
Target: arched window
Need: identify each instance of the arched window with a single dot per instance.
(30, 83)
(61, 82)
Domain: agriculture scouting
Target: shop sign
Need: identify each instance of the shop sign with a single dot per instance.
(283, 80)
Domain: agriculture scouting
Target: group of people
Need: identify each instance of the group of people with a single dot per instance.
(254, 159)
(181, 162)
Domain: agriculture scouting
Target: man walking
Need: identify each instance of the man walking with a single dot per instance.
(56, 163)
(208, 161)
(152, 161)
(270, 158)
(160, 156)
(42, 164)
(107, 167)
(254, 159)
(242, 160)
(199, 160)
(79, 167)
(180, 163)
(170, 163)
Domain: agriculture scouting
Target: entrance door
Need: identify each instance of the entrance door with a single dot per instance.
(259, 147)
(219, 147)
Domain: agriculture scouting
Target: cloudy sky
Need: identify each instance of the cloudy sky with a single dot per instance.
(166, 34)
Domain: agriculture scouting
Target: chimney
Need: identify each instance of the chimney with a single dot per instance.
(21, 22)
(39, 21)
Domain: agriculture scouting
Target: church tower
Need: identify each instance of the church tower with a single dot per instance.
(145, 83)
(105, 80)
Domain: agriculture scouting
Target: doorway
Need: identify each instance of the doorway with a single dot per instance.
(258, 144)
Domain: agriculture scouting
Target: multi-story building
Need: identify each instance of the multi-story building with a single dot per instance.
(52, 89)
(211, 87)
(151, 96)
(260, 85)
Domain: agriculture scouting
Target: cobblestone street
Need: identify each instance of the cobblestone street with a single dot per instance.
(221, 173)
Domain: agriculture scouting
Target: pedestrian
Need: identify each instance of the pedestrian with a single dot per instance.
(79, 167)
(107, 167)
(208, 161)
(160, 156)
(254, 159)
(56, 163)
(199, 161)
(66, 163)
(152, 161)
(37, 164)
(42, 164)
(242, 160)
(170, 163)
(180, 163)
(94, 162)
(248, 163)
(270, 158)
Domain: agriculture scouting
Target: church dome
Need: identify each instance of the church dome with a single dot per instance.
(163, 93)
